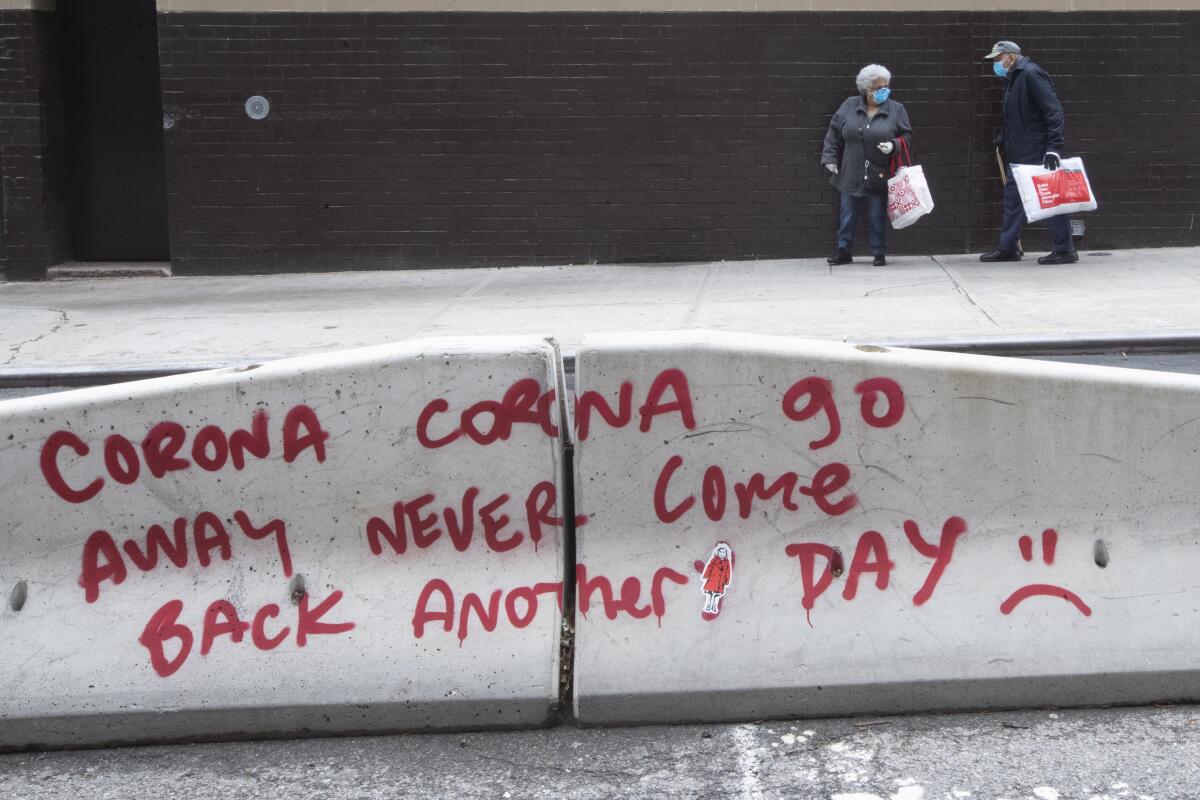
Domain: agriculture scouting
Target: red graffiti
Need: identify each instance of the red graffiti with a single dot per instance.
(827, 482)
(941, 553)
(438, 605)
(655, 405)
(813, 585)
(872, 390)
(103, 561)
(1044, 590)
(519, 606)
(591, 401)
(165, 449)
(870, 556)
(165, 633)
(819, 394)
(1049, 547)
(820, 398)
(418, 520)
(490, 420)
(628, 597)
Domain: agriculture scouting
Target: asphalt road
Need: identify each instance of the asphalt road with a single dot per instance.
(1094, 754)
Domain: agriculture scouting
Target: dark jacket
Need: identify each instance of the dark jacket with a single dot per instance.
(1033, 117)
(852, 143)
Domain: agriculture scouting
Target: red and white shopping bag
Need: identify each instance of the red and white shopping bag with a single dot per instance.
(909, 198)
(1048, 193)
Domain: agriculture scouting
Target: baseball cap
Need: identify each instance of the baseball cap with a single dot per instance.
(1001, 47)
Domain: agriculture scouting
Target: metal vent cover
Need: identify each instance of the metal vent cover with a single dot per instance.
(257, 107)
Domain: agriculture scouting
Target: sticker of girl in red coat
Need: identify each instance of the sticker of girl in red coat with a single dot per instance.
(718, 574)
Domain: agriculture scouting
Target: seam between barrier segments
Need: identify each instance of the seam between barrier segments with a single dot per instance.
(565, 711)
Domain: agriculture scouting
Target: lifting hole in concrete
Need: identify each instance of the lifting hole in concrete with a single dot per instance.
(1100, 553)
(297, 589)
(20, 592)
(837, 564)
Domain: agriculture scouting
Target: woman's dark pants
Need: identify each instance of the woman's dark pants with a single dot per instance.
(876, 208)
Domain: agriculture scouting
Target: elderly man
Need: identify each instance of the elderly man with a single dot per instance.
(1032, 134)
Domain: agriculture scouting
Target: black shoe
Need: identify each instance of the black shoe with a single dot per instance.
(1000, 255)
(1060, 258)
(880, 260)
(840, 257)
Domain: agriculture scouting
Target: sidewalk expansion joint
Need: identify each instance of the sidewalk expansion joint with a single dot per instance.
(964, 292)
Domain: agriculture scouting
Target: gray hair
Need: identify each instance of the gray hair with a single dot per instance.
(868, 75)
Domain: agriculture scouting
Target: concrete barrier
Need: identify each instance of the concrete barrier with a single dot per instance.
(359, 541)
(778, 527)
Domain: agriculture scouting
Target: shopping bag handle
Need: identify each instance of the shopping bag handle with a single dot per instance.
(900, 155)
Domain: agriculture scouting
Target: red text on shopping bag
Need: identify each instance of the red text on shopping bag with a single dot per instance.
(1061, 187)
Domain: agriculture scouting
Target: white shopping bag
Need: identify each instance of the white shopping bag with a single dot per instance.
(1048, 193)
(908, 197)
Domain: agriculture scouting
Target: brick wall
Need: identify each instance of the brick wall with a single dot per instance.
(35, 210)
(406, 140)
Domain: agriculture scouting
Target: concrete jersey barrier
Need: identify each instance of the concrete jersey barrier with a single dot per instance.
(779, 527)
(360, 541)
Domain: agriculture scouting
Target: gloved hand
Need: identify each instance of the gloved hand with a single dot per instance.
(1050, 161)
(886, 148)
(832, 168)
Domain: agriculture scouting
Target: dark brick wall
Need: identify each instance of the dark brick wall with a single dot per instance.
(406, 140)
(35, 210)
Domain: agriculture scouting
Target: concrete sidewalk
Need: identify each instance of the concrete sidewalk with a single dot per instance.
(164, 322)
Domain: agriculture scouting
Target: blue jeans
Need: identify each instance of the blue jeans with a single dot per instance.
(876, 205)
(1014, 218)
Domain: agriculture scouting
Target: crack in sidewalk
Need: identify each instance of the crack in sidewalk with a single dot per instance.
(433, 317)
(901, 286)
(964, 292)
(16, 349)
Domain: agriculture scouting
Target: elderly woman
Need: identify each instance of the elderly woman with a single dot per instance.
(862, 136)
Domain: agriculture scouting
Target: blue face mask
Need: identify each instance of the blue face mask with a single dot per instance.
(999, 69)
(881, 95)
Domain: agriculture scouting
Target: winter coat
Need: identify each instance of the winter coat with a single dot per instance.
(1033, 117)
(717, 575)
(852, 143)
